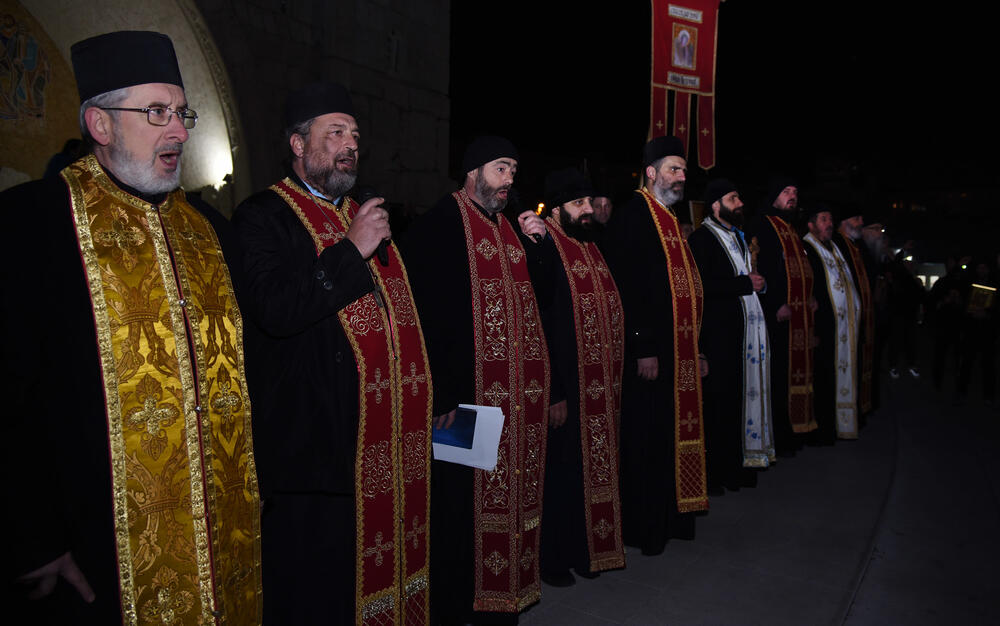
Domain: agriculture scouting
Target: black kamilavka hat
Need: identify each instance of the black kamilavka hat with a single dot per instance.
(317, 99)
(564, 185)
(123, 59)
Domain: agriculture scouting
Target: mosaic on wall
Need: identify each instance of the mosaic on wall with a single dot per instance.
(38, 99)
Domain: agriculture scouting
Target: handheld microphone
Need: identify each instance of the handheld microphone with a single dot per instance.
(365, 194)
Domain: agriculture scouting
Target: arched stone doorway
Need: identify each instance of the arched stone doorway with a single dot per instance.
(39, 106)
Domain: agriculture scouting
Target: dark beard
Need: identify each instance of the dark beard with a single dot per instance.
(491, 202)
(582, 231)
(731, 217)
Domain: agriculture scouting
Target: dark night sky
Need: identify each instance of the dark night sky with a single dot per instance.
(899, 98)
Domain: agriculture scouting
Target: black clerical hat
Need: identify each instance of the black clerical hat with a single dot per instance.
(487, 148)
(660, 147)
(716, 189)
(123, 59)
(776, 185)
(816, 208)
(317, 99)
(564, 185)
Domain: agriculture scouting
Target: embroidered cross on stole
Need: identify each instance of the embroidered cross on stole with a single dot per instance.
(799, 278)
(686, 295)
(600, 335)
(511, 372)
(392, 463)
(184, 487)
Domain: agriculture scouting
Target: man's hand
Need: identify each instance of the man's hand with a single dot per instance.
(369, 227)
(557, 414)
(784, 313)
(44, 578)
(532, 225)
(813, 305)
(702, 366)
(757, 281)
(649, 368)
(444, 421)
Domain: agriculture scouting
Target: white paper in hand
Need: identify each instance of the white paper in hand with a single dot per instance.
(485, 441)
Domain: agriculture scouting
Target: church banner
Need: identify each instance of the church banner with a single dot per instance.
(684, 46)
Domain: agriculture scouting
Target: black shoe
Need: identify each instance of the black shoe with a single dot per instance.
(654, 550)
(558, 579)
(582, 573)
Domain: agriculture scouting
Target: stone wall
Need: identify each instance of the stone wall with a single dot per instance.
(392, 55)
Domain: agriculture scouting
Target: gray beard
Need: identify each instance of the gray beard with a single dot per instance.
(142, 177)
(332, 181)
(667, 196)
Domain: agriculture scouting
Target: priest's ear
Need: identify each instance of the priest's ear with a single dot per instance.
(99, 125)
(297, 143)
(650, 173)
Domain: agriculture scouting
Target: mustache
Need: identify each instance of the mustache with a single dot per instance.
(171, 147)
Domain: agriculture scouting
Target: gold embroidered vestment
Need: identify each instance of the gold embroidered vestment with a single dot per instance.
(184, 485)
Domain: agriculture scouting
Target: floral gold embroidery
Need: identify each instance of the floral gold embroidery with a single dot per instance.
(152, 416)
(123, 237)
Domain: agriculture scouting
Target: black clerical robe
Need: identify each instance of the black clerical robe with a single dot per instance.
(564, 539)
(771, 264)
(824, 363)
(580, 312)
(634, 252)
(721, 342)
(304, 387)
(57, 429)
(437, 255)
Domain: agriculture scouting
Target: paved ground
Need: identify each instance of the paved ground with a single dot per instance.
(899, 527)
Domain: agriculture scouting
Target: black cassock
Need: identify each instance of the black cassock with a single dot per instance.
(57, 453)
(437, 264)
(721, 342)
(771, 265)
(824, 367)
(303, 382)
(632, 248)
(564, 533)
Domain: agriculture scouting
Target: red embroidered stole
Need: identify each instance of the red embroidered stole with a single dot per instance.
(600, 336)
(868, 319)
(512, 372)
(686, 295)
(170, 341)
(800, 327)
(392, 464)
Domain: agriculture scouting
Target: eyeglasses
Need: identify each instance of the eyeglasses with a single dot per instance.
(160, 116)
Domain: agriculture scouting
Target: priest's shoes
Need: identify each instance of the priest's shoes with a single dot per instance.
(582, 573)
